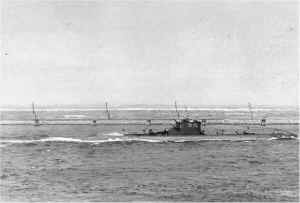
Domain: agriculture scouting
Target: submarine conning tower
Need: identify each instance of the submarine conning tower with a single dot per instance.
(187, 127)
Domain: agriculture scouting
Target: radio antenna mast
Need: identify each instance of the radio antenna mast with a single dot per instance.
(178, 116)
(107, 111)
(36, 119)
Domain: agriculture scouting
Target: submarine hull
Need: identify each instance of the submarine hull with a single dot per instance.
(195, 128)
(229, 137)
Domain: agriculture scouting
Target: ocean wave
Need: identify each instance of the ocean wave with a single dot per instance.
(114, 134)
(74, 140)
(4, 143)
(59, 139)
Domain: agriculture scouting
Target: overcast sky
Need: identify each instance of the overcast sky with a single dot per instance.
(150, 52)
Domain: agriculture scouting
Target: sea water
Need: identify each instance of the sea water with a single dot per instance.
(99, 163)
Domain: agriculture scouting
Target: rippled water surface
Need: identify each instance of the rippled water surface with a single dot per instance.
(97, 163)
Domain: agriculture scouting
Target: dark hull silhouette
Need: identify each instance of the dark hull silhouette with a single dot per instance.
(252, 136)
(188, 127)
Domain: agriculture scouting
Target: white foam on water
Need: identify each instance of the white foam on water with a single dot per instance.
(146, 140)
(273, 138)
(74, 140)
(114, 134)
(3, 143)
(180, 140)
(104, 141)
(54, 139)
(59, 139)
(16, 141)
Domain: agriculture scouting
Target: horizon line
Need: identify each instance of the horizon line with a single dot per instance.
(41, 105)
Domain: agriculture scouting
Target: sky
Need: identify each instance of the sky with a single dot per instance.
(149, 52)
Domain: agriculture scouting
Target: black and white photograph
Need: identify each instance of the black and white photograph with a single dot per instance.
(149, 101)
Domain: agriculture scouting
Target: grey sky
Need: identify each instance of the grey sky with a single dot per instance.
(151, 52)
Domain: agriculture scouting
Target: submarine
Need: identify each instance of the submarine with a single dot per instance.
(184, 127)
(201, 128)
